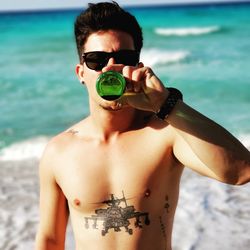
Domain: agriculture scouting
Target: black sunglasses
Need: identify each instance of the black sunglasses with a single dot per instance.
(96, 60)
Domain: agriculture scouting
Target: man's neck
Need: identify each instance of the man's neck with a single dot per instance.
(111, 123)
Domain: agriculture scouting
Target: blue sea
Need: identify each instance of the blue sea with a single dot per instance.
(204, 50)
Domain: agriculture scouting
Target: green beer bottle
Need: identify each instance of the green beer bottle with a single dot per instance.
(110, 85)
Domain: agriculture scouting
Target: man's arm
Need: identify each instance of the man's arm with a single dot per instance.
(208, 148)
(200, 143)
(53, 207)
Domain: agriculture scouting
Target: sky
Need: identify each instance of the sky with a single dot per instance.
(57, 4)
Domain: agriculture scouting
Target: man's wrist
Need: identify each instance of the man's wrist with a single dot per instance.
(174, 96)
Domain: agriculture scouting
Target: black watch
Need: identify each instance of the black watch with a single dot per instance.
(174, 96)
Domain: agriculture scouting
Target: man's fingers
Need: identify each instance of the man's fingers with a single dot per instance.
(114, 67)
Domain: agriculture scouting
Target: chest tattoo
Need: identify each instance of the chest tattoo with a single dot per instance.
(162, 223)
(116, 215)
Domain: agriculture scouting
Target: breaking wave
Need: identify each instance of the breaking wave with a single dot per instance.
(23, 150)
(152, 57)
(190, 31)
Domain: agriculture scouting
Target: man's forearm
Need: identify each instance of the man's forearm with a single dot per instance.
(45, 243)
(214, 145)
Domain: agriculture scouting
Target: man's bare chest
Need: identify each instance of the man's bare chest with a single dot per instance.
(90, 173)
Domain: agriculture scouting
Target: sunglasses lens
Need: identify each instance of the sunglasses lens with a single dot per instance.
(127, 57)
(98, 59)
(95, 60)
(94, 65)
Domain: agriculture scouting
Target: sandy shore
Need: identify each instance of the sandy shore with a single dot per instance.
(210, 215)
(19, 204)
(19, 201)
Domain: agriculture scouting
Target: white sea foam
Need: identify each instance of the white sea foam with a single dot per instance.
(33, 148)
(245, 139)
(188, 31)
(153, 56)
(24, 150)
(211, 215)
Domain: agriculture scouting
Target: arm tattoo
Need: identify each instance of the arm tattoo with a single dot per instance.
(116, 216)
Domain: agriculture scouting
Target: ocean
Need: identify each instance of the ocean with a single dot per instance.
(201, 49)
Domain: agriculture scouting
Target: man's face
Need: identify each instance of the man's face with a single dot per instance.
(108, 41)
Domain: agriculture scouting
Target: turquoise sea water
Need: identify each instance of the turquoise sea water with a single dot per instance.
(203, 50)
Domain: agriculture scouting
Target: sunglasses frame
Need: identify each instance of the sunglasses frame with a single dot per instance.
(127, 55)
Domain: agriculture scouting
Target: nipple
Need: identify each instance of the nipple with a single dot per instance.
(147, 193)
(77, 202)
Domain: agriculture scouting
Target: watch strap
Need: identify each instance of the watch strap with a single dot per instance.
(174, 96)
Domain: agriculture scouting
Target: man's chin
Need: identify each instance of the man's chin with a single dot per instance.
(113, 106)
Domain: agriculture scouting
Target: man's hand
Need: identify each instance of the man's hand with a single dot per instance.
(144, 90)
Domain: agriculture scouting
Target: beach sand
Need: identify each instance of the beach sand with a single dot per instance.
(210, 215)
(19, 205)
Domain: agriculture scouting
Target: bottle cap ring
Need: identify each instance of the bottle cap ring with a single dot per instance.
(110, 85)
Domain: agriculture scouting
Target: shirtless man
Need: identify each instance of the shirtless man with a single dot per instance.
(117, 172)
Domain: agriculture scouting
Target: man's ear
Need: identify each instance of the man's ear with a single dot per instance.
(80, 72)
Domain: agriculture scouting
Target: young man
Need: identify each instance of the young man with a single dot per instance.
(117, 172)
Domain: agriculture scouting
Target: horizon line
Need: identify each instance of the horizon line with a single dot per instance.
(130, 6)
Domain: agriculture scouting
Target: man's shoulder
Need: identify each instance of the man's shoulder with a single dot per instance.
(55, 146)
(60, 142)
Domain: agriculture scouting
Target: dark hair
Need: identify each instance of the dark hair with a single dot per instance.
(106, 16)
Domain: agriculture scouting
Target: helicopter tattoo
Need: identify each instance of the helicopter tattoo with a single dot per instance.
(116, 216)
